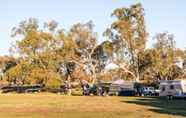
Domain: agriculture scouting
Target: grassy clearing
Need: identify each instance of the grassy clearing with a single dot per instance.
(58, 106)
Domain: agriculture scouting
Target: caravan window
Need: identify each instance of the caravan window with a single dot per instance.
(171, 86)
(163, 88)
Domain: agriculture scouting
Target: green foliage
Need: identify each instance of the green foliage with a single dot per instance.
(128, 31)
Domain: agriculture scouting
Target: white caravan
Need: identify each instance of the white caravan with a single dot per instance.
(172, 88)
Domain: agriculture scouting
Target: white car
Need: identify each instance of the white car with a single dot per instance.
(147, 91)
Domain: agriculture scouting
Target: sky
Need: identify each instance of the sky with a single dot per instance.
(160, 15)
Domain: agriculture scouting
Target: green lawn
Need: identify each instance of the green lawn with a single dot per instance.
(58, 106)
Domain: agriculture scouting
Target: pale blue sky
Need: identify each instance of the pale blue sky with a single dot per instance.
(161, 15)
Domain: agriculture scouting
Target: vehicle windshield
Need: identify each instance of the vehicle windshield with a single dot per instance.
(151, 88)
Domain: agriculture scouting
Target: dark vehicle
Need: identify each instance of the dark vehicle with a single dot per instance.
(93, 89)
(100, 89)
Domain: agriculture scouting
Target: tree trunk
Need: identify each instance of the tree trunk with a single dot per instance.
(69, 89)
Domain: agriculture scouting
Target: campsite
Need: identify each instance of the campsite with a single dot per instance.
(92, 59)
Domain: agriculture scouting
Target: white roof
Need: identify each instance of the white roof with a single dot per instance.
(166, 82)
(119, 81)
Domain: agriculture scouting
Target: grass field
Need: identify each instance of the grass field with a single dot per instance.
(58, 106)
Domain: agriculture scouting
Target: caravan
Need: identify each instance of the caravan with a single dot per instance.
(174, 88)
(122, 88)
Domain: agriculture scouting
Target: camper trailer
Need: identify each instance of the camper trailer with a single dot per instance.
(175, 88)
(122, 88)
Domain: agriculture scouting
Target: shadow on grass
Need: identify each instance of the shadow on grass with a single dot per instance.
(162, 105)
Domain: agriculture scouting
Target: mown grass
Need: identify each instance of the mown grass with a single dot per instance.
(57, 106)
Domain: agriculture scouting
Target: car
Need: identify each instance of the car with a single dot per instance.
(147, 91)
(180, 95)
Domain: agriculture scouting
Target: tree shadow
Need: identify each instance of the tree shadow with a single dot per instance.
(162, 105)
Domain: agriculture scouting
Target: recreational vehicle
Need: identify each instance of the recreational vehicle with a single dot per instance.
(175, 88)
(122, 88)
